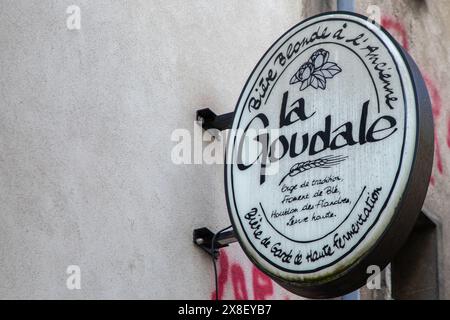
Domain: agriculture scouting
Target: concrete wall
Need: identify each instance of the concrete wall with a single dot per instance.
(86, 118)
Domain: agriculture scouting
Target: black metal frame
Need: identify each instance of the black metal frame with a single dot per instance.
(402, 222)
(203, 238)
(210, 120)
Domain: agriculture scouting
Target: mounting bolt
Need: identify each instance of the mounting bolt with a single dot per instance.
(199, 241)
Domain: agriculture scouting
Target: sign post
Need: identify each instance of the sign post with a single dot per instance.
(329, 156)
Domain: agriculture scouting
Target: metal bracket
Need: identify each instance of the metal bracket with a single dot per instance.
(203, 238)
(212, 121)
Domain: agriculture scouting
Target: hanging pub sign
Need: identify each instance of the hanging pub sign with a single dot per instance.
(330, 155)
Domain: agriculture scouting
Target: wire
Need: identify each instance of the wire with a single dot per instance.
(213, 254)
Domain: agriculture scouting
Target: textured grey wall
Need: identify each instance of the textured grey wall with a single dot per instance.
(86, 118)
(423, 28)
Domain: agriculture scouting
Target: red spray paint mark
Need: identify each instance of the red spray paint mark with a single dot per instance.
(238, 280)
(448, 132)
(262, 285)
(435, 97)
(436, 103)
(223, 275)
(397, 29)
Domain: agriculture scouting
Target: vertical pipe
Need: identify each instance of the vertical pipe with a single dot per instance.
(346, 5)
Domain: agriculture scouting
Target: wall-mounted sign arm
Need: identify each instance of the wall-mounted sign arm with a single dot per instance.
(203, 238)
(210, 120)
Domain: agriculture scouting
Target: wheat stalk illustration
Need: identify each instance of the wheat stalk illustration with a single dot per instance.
(324, 162)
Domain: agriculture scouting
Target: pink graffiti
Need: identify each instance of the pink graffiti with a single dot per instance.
(222, 277)
(398, 30)
(448, 132)
(263, 287)
(436, 103)
(238, 280)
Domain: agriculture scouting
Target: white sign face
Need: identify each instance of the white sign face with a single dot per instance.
(321, 148)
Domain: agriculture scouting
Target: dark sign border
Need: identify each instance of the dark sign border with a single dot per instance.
(409, 206)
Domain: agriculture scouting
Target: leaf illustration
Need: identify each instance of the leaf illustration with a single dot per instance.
(327, 74)
(320, 79)
(305, 84)
(314, 82)
(330, 69)
(324, 162)
(295, 79)
(316, 71)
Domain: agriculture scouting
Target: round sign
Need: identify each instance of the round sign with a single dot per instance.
(329, 156)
